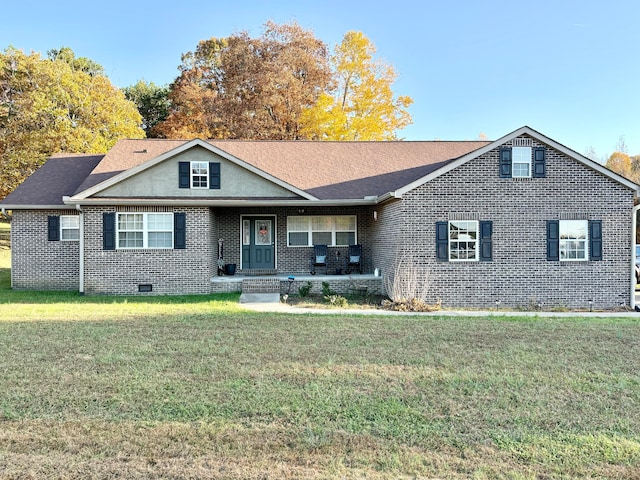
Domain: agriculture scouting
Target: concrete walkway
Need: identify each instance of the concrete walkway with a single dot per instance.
(285, 308)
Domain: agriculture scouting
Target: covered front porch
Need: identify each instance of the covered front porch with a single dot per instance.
(279, 241)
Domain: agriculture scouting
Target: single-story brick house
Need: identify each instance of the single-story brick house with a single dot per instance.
(521, 220)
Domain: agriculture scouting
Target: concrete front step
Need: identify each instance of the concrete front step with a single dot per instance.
(261, 285)
(260, 298)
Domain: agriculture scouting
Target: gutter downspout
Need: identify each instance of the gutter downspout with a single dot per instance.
(81, 252)
(634, 223)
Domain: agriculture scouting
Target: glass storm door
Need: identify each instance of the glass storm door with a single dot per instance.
(258, 242)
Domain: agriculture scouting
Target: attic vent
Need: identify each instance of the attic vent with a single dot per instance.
(522, 142)
(140, 151)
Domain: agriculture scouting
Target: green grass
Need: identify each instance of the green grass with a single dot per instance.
(193, 387)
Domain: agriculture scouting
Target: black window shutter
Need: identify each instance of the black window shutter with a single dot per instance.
(505, 162)
(108, 231)
(553, 240)
(53, 224)
(595, 240)
(179, 231)
(442, 240)
(486, 244)
(539, 167)
(184, 175)
(214, 175)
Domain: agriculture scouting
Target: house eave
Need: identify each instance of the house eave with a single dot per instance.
(37, 207)
(239, 202)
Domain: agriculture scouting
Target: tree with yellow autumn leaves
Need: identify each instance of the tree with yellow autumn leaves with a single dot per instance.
(362, 106)
(285, 85)
(56, 104)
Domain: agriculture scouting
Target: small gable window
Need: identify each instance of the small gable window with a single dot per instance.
(521, 161)
(199, 174)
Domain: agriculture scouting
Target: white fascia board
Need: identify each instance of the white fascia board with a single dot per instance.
(218, 203)
(586, 161)
(180, 149)
(37, 207)
(534, 134)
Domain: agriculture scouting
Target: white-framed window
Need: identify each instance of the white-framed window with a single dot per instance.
(463, 240)
(144, 230)
(70, 227)
(199, 174)
(306, 231)
(574, 245)
(521, 162)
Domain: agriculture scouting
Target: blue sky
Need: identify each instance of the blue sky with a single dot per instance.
(566, 68)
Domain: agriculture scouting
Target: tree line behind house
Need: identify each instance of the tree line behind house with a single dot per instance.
(285, 84)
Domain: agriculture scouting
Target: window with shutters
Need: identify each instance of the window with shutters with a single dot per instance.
(463, 240)
(69, 227)
(574, 245)
(574, 240)
(523, 160)
(199, 174)
(144, 230)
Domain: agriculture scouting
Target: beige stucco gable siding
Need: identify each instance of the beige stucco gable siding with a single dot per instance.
(162, 181)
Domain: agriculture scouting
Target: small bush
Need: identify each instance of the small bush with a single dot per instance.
(336, 300)
(304, 290)
(411, 305)
(407, 286)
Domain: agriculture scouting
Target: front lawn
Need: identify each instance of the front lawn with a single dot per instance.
(193, 387)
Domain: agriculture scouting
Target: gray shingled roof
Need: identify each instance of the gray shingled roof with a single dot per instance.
(326, 170)
(59, 176)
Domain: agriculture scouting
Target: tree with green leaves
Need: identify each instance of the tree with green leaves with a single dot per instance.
(363, 105)
(49, 106)
(152, 102)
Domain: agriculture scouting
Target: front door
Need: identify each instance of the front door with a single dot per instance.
(258, 242)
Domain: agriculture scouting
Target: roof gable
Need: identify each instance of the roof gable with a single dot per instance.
(501, 141)
(113, 177)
